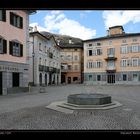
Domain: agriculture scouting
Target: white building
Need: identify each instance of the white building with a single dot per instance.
(44, 60)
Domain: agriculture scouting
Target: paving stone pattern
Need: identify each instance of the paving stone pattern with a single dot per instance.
(27, 111)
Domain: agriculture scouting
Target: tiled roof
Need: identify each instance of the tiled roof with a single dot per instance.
(113, 36)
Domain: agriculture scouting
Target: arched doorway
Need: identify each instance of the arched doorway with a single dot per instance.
(45, 79)
(40, 78)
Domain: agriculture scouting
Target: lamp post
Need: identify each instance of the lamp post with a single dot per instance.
(33, 55)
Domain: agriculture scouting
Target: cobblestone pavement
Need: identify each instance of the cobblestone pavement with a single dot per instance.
(27, 110)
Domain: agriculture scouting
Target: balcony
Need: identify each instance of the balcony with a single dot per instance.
(41, 68)
(64, 70)
(110, 57)
(110, 69)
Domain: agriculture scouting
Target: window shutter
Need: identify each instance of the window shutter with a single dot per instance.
(11, 18)
(121, 63)
(4, 15)
(4, 46)
(11, 47)
(21, 22)
(21, 50)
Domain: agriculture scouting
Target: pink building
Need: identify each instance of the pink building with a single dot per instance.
(14, 37)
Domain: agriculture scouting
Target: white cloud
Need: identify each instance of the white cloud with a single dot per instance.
(112, 18)
(39, 28)
(66, 26)
(56, 12)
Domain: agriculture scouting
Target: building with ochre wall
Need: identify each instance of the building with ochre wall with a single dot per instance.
(112, 59)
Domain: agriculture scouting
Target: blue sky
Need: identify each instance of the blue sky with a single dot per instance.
(85, 24)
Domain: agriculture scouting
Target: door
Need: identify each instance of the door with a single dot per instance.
(0, 83)
(111, 78)
(45, 79)
(69, 80)
(15, 79)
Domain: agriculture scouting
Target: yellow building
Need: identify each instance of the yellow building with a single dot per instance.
(113, 59)
(71, 61)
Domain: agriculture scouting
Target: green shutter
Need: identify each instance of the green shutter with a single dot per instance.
(4, 46)
(11, 47)
(21, 50)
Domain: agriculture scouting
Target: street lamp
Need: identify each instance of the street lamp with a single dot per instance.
(33, 55)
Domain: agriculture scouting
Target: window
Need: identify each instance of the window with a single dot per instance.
(40, 61)
(123, 49)
(2, 15)
(90, 52)
(69, 67)
(89, 45)
(135, 77)
(134, 39)
(98, 44)
(99, 51)
(16, 49)
(124, 62)
(45, 49)
(3, 46)
(75, 49)
(98, 64)
(135, 48)
(90, 77)
(45, 62)
(135, 61)
(40, 48)
(124, 77)
(89, 64)
(75, 78)
(98, 77)
(123, 41)
(76, 57)
(69, 57)
(111, 51)
(16, 20)
(76, 67)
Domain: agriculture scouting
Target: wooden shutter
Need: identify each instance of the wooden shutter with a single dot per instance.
(11, 47)
(4, 15)
(21, 50)
(21, 22)
(11, 18)
(4, 46)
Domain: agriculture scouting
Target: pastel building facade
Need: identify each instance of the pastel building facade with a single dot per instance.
(44, 60)
(14, 38)
(112, 59)
(72, 62)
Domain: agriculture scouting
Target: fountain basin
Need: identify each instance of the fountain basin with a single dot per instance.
(89, 99)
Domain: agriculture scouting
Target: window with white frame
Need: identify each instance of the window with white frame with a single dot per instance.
(40, 61)
(123, 49)
(135, 48)
(98, 64)
(99, 51)
(134, 61)
(76, 67)
(123, 41)
(76, 57)
(111, 51)
(124, 62)
(40, 47)
(90, 77)
(134, 39)
(69, 57)
(135, 77)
